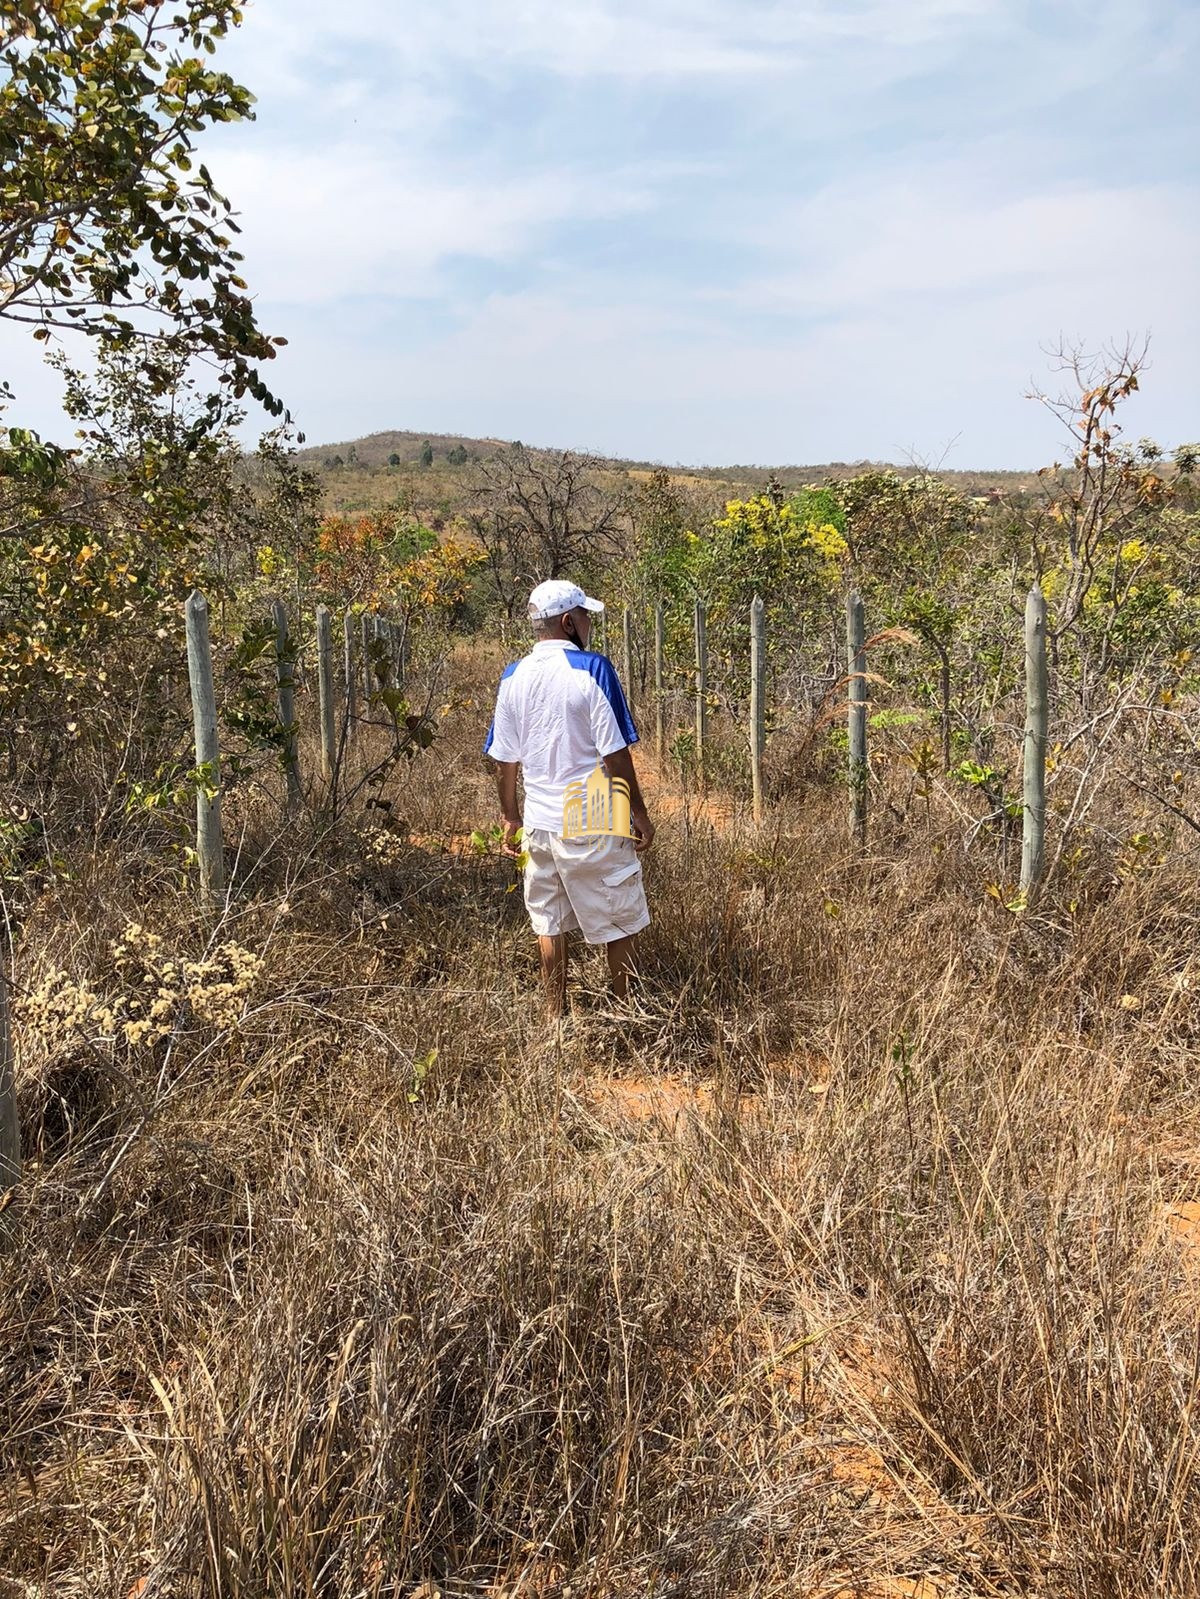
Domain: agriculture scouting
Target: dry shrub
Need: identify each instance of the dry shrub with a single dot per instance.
(361, 1282)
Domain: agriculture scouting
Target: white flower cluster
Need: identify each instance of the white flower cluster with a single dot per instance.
(387, 848)
(155, 990)
(61, 1007)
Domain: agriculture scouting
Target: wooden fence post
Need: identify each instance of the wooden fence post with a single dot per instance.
(1037, 722)
(701, 628)
(659, 711)
(210, 842)
(604, 632)
(383, 652)
(285, 678)
(395, 636)
(325, 691)
(857, 669)
(351, 711)
(10, 1121)
(758, 702)
(386, 649)
(627, 654)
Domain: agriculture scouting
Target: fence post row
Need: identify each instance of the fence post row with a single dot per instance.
(285, 678)
(381, 647)
(758, 701)
(325, 691)
(1037, 721)
(210, 843)
(701, 684)
(659, 728)
(856, 638)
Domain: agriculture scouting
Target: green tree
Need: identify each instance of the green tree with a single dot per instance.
(107, 224)
(426, 456)
(393, 459)
(910, 542)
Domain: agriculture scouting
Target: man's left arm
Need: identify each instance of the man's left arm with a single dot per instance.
(620, 764)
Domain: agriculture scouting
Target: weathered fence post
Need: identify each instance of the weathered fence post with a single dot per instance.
(210, 843)
(701, 684)
(383, 652)
(348, 668)
(10, 1122)
(285, 678)
(387, 649)
(1037, 721)
(401, 652)
(758, 700)
(395, 636)
(659, 711)
(856, 637)
(627, 654)
(366, 634)
(325, 691)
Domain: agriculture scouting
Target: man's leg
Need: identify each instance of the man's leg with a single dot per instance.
(552, 947)
(621, 965)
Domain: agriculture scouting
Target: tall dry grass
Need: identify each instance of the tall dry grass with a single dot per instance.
(846, 1263)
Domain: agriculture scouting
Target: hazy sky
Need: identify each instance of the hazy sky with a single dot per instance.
(714, 230)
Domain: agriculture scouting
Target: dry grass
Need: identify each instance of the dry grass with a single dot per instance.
(843, 1266)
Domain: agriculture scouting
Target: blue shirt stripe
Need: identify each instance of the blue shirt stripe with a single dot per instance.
(603, 672)
(491, 732)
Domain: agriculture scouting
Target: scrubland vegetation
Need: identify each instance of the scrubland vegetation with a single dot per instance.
(857, 1258)
(850, 1255)
(860, 1256)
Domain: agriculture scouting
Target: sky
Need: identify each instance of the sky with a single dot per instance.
(713, 231)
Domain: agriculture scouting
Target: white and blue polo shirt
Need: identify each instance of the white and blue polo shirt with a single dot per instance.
(558, 711)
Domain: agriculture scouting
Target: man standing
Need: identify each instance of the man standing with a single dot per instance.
(561, 717)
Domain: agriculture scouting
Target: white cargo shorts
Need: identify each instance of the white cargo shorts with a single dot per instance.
(588, 885)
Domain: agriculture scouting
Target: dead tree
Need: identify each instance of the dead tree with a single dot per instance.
(546, 514)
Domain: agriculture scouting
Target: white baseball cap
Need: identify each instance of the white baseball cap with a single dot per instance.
(557, 597)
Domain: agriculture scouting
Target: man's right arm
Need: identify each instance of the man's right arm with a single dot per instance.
(506, 785)
(504, 748)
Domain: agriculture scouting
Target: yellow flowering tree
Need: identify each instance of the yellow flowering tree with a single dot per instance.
(790, 549)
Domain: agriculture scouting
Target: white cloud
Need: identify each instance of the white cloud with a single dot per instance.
(626, 38)
(931, 234)
(977, 194)
(352, 221)
(879, 374)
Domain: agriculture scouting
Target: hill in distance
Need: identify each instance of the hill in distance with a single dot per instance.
(384, 468)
